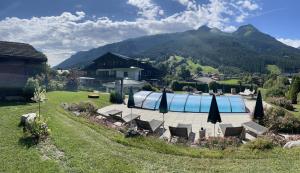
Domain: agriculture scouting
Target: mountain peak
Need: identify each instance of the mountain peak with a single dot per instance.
(246, 30)
(204, 28)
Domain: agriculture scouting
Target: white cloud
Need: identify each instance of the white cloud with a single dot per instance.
(147, 8)
(248, 4)
(291, 42)
(60, 36)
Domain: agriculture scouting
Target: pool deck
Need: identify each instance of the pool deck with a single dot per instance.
(197, 120)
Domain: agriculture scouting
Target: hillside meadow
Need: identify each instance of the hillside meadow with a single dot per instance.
(78, 145)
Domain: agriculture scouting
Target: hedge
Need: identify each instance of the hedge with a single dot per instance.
(226, 88)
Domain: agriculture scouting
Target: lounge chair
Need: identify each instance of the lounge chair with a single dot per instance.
(117, 115)
(151, 126)
(126, 119)
(181, 131)
(211, 92)
(247, 92)
(229, 131)
(254, 129)
(220, 91)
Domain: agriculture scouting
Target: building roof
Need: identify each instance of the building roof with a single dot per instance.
(20, 51)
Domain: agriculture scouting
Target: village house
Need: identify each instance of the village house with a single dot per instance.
(18, 62)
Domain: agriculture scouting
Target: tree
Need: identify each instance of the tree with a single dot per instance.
(30, 87)
(213, 85)
(294, 89)
(184, 73)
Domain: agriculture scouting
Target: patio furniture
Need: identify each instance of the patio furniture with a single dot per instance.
(247, 92)
(229, 131)
(151, 126)
(181, 131)
(220, 91)
(112, 112)
(126, 119)
(211, 92)
(254, 129)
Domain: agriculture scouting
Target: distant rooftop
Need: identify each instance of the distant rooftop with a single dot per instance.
(20, 51)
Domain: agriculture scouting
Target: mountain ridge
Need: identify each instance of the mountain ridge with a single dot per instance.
(246, 48)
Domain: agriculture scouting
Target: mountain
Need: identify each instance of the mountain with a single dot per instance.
(247, 48)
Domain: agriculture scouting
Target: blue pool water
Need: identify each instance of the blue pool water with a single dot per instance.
(188, 103)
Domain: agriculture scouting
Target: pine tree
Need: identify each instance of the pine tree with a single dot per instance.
(294, 89)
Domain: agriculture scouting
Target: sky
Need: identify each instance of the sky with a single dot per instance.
(60, 28)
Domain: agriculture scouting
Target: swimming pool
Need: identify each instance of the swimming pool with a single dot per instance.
(189, 103)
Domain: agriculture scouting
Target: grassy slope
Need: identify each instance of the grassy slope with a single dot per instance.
(229, 81)
(207, 69)
(92, 148)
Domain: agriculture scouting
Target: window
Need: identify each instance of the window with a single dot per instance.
(125, 74)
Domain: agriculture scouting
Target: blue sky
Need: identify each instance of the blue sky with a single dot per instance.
(60, 28)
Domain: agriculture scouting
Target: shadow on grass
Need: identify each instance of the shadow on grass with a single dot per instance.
(28, 141)
(11, 103)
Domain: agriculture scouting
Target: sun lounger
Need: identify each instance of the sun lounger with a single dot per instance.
(211, 92)
(117, 115)
(229, 131)
(181, 131)
(247, 92)
(254, 129)
(126, 119)
(151, 126)
(220, 92)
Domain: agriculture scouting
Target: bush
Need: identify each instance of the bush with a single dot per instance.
(279, 120)
(37, 129)
(220, 143)
(55, 86)
(276, 92)
(178, 86)
(87, 108)
(72, 84)
(282, 102)
(149, 87)
(116, 98)
(294, 89)
(260, 144)
(30, 87)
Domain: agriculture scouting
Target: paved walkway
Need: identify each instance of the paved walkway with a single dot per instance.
(197, 120)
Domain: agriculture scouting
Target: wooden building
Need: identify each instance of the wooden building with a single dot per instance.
(112, 66)
(18, 62)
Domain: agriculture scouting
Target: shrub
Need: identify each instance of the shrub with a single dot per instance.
(149, 87)
(116, 98)
(72, 84)
(37, 129)
(276, 91)
(282, 102)
(30, 87)
(220, 143)
(55, 86)
(279, 120)
(260, 144)
(178, 86)
(87, 108)
(294, 89)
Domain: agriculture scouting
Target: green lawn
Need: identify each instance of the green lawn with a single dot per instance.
(89, 147)
(229, 82)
